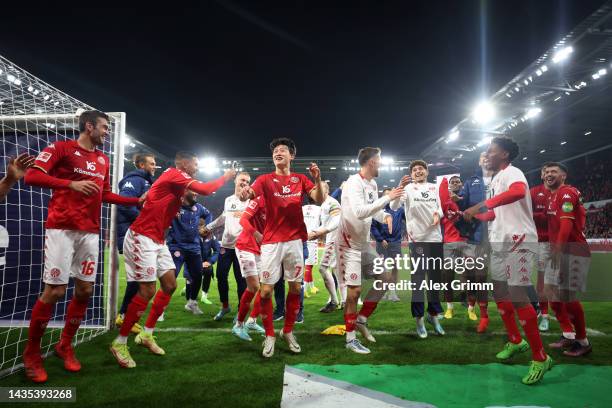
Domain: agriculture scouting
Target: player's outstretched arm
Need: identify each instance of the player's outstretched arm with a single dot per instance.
(14, 172)
(211, 186)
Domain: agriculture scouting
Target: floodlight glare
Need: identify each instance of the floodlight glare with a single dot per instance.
(533, 112)
(484, 113)
(562, 54)
(454, 135)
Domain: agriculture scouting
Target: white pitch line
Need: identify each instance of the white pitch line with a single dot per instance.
(590, 332)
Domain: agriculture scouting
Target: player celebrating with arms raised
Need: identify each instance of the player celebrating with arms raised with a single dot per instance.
(78, 173)
(284, 233)
(147, 258)
(513, 240)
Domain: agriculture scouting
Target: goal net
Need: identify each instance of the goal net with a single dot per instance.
(33, 114)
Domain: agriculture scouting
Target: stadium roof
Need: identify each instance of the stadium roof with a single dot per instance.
(556, 108)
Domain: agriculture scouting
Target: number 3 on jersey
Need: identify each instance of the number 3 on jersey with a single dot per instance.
(88, 268)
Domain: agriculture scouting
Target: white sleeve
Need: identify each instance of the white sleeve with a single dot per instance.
(380, 216)
(333, 221)
(217, 222)
(397, 203)
(357, 197)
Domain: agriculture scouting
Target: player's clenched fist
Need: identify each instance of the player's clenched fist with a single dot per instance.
(315, 172)
(86, 187)
(229, 174)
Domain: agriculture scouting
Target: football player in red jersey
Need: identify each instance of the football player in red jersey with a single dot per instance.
(147, 257)
(284, 233)
(566, 274)
(539, 203)
(78, 173)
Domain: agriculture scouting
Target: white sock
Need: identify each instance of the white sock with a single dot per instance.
(148, 330)
(419, 321)
(470, 308)
(328, 279)
(545, 316)
(251, 320)
(121, 339)
(583, 342)
(350, 336)
(362, 319)
(569, 335)
(449, 305)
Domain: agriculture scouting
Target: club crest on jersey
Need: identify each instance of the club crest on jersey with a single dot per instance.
(54, 273)
(266, 275)
(370, 196)
(567, 207)
(150, 270)
(294, 179)
(43, 156)
(101, 160)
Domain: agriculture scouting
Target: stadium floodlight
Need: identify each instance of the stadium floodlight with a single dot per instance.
(538, 72)
(484, 113)
(542, 151)
(544, 68)
(533, 112)
(602, 72)
(332, 168)
(208, 165)
(526, 82)
(255, 168)
(454, 135)
(525, 158)
(11, 78)
(588, 132)
(595, 76)
(557, 98)
(562, 54)
(386, 160)
(563, 142)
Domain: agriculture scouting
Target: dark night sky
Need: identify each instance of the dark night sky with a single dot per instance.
(225, 77)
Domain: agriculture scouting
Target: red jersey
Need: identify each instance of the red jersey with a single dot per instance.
(246, 240)
(283, 196)
(539, 204)
(566, 202)
(450, 214)
(162, 203)
(69, 209)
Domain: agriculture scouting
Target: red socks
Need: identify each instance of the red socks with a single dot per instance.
(245, 305)
(159, 305)
(74, 317)
(484, 309)
(350, 319)
(506, 310)
(266, 316)
(529, 320)
(41, 314)
(576, 314)
(135, 309)
(561, 314)
(308, 274)
(367, 308)
(293, 307)
(256, 306)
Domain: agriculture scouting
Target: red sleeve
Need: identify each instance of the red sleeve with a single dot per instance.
(112, 198)
(486, 216)
(247, 215)
(257, 185)
(307, 184)
(37, 177)
(515, 192)
(565, 228)
(49, 157)
(206, 188)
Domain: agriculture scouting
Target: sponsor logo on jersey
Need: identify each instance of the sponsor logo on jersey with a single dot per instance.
(128, 184)
(294, 179)
(101, 160)
(286, 189)
(567, 207)
(43, 156)
(91, 166)
(77, 153)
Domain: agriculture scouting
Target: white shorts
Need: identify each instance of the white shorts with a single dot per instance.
(543, 255)
(70, 254)
(145, 259)
(352, 264)
(571, 275)
(513, 267)
(250, 263)
(313, 253)
(329, 255)
(289, 254)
